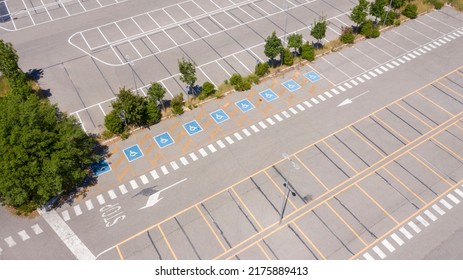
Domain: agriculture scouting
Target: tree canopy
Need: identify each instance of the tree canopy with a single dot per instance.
(360, 12)
(295, 41)
(187, 73)
(273, 46)
(319, 29)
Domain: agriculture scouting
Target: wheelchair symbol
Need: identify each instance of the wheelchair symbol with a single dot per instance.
(291, 85)
(218, 116)
(268, 95)
(192, 127)
(163, 140)
(244, 106)
(133, 153)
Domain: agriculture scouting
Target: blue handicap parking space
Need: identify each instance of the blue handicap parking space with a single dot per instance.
(219, 116)
(100, 167)
(268, 95)
(312, 76)
(164, 140)
(133, 153)
(192, 127)
(291, 85)
(244, 105)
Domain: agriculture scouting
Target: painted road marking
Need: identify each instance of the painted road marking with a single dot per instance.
(193, 157)
(354, 82)
(100, 199)
(453, 198)
(101, 167)
(286, 114)
(432, 46)
(395, 63)
(164, 139)
(246, 132)
(278, 118)
(202, 152)
(133, 184)
(192, 127)
(164, 170)
(397, 239)
(417, 53)
(229, 140)
(411, 55)
(300, 107)
(10, 241)
(422, 221)
(174, 165)
(389, 65)
(378, 71)
(321, 97)
(341, 88)
(212, 148)
(244, 105)
(65, 215)
(132, 153)
(314, 101)
(430, 215)
(144, 180)
(366, 76)
(442, 41)
(422, 51)
(112, 194)
(438, 209)
(347, 85)
(77, 210)
(89, 204)
(360, 79)
(253, 127)
(401, 60)
(291, 85)
(406, 233)
(367, 256)
(327, 94)
(414, 227)
(379, 252)
(312, 76)
(406, 58)
(270, 121)
(427, 48)
(307, 103)
(219, 116)
(221, 144)
(268, 95)
(388, 245)
(292, 110)
(460, 193)
(123, 189)
(262, 124)
(333, 90)
(372, 74)
(184, 161)
(23, 234)
(154, 174)
(36, 228)
(238, 136)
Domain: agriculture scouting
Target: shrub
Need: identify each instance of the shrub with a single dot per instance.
(153, 113)
(438, 4)
(397, 22)
(389, 18)
(369, 30)
(253, 79)
(410, 11)
(114, 122)
(307, 52)
(347, 36)
(235, 79)
(177, 104)
(288, 58)
(208, 89)
(245, 84)
(262, 68)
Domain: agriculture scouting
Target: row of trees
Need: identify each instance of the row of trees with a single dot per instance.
(43, 152)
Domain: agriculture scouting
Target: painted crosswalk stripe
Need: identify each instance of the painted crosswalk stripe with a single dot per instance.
(174, 165)
(447, 39)
(327, 94)
(406, 58)
(100, 199)
(314, 101)
(395, 63)
(388, 245)
(347, 85)
(379, 252)
(384, 68)
(437, 43)
(453, 198)
(321, 97)
(360, 79)
(422, 221)
(133, 184)
(164, 170)
(411, 55)
(221, 144)
(460, 193)
(439, 210)
(1, 250)
(65, 215)
(456, 34)
(36, 228)
(89, 204)
(237, 136)
(431, 45)
(77, 210)
(229, 140)
(417, 53)
(254, 128)
(422, 51)
(367, 256)
(10, 241)
(184, 161)
(278, 118)
(334, 91)
(427, 48)
(401, 60)
(300, 107)
(307, 103)
(154, 174)
(144, 180)
(292, 110)
(390, 65)
(446, 204)
(262, 124)
(112, 194)
(459, 31)
(414, 227)
(270, 121)
(430, 215)
(286, 114)
(23, 234)
(246, 132)
(341, 88)
(123, 189)
(354, 82)
(406, 233)
(193, 156)
(372, 74)
(202, 152)
(366, 76)
(378, 71)
(451, 37)
(442, 41)
(211, 148)
(397, 239)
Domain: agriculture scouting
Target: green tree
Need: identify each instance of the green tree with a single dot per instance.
(359, 13)
(410, 11)
(319, 29)
(114, 122)
(208, 89)
(397, 4)
(369, 30)
(377, 9)
(288, 58)
(307, 52)
(273, 46)
(153, 113)
(347, 35)
(132, 105)
(295, 41)
(187, 73)
(177, 104)
(235, 79)
(10, 70)
(262, 68)
(156, 93)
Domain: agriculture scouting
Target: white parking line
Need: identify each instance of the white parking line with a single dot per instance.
(65, 215)
(388, 245)
(430, 215)
(254, 128)
(184, 161)
(406, 233)
(238, 136)
(300, 107)
(439, 210)
(414, 227)
(246, 132)
(379, 252)
(36, 228)
(193, 157)
(133, 184)
(23, 234)
(422, 221)
(144, 180)
(154, 174)
(397, 239)
(292, 110)
(164, 170)
(77, 210)
(262, 124)
(229, 140)
(10, 241)
(367, 256)
(453, 198)
(270, 121)
(174, 165)
(100, 199)
(211, 148)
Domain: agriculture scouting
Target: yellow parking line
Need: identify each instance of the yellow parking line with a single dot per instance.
(452, 90)
(115, 149)
(174, 126)
(308, 240)
(167, 242)
(143, 139)
(311, 173)
(117, 162)
(207, 123)
(339, 156)
(278, 188)
(415, 116)
(347, 224)
(366, 141)
(312, 89)
(150, 147)
(263, 251)
(225, 106)
(282, 91)
(210, 227)
(214, 132)
(157, 156)
(124, 171)
(447, 149)
(403, 185)
(461, 128)
(430, 168)
(119, 252)
(437, 105)
(247, 209)
(377, 204)
(389, 127)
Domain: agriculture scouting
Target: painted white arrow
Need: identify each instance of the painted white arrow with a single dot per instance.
(154, 198)
(349, 101)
